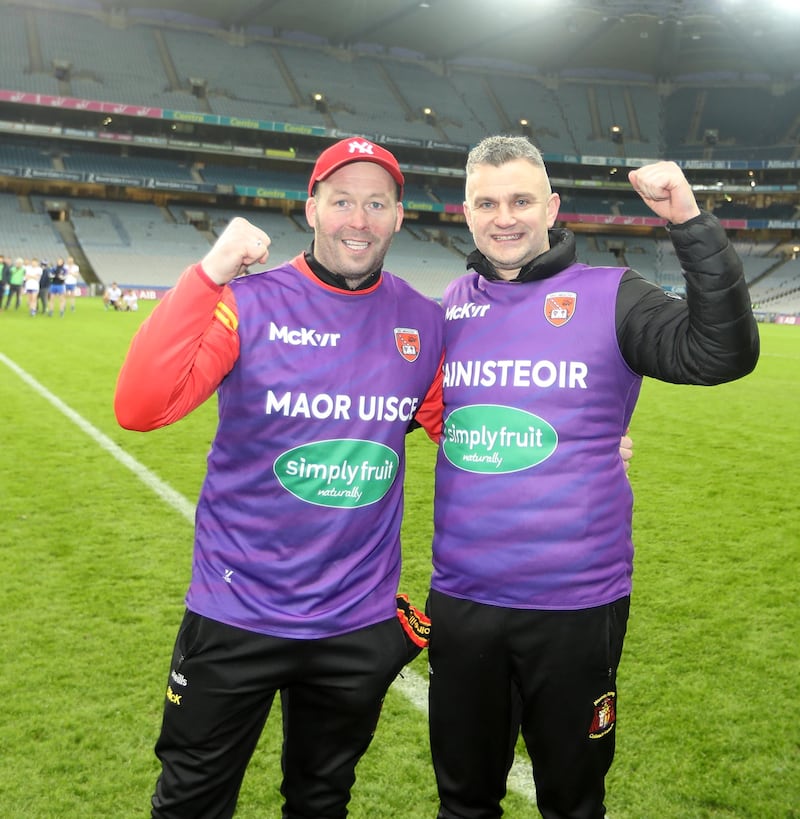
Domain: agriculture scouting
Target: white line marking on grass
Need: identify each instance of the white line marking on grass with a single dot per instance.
(162, 489)
(415, 689)
(411, 685)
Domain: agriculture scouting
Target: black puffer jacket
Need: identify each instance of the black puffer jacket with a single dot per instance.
(708, 338)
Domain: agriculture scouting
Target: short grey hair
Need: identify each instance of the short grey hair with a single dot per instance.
(497, 150)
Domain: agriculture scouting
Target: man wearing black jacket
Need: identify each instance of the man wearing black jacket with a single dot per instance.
(532, 548)
(44, 286)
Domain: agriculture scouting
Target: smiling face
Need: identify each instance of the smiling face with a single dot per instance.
(355, 214)
(509, 209)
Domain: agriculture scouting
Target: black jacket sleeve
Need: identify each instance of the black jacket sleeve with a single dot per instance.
(710, 337)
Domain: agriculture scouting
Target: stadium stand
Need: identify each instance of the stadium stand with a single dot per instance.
(779, 282)
(424, 262)
(132, 166)
(196, 70)
(14, 155)
(15, 59)
(245, 80)
(789, 304)
(699, 119)
(28, 234)
(290, 233)
(377, 106)
(127, 69)
(421, 88)
(252, 176)
(135, 244)
(457, 237)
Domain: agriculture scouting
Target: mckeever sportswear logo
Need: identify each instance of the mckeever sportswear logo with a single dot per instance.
(465, 311)
(303, 336)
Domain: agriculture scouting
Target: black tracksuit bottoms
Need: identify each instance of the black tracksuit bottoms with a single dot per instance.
(552, 674)
(221, 687)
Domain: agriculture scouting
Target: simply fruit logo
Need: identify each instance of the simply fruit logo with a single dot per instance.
(344, 473)
(494, 439)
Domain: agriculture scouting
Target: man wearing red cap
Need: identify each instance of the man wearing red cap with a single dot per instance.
(320, 366)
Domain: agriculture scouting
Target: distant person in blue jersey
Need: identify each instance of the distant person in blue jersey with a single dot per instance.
(58, 288)
(532, 548)
(321, 365)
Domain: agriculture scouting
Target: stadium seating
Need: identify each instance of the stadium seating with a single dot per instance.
(131, 166)
(423, 262)
(778, 282)
(127, 69)
(150, 66)
(16, 155)
(191, 69)
(27, 234)
(135, 244)
(253, 176)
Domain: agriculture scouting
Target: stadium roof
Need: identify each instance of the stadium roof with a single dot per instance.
(653, 40)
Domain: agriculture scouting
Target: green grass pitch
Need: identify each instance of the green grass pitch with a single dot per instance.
(95, 566)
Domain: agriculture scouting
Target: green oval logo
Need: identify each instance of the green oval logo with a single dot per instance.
(494, 439)
(344, 473)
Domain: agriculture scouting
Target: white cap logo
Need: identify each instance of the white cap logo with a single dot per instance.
(360, 147)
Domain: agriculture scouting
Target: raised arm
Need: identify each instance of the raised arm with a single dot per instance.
(711, 336)
(189, 343)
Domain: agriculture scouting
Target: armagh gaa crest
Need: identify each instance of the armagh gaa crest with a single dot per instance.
(605, 715)
(407, 342)
(559, 307)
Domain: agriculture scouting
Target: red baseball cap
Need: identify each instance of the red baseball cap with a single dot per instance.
(354, 149)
